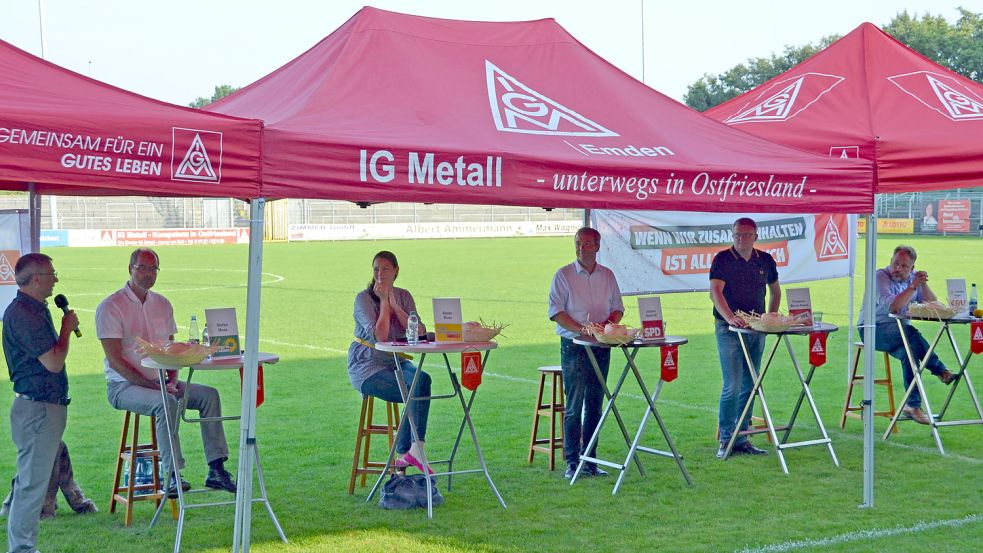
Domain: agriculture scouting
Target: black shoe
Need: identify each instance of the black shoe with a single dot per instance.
(722, 452)
(172, 490)
(747, 448)
(220, 479)
(571, 469)
(591, 469)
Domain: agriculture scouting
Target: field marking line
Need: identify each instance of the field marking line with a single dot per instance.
(303, 346)
(861, 535)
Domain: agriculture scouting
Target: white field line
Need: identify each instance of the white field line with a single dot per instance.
(862, 535)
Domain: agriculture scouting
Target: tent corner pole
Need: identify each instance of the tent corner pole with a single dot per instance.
(870, 324)
(34, 209)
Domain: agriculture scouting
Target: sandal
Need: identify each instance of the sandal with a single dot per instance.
(409, 458)
(401, 463)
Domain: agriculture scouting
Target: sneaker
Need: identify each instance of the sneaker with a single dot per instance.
(722, 452)
(172, 490)
(220, 479)
(916, 414)
(591, 469)
(747, 448)
(947, 377)
(86, 507)
(571, 469)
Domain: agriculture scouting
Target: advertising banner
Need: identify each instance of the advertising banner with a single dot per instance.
(888, 226)
(954, 216)
(413, 231)
(15, 241)
(653, 252)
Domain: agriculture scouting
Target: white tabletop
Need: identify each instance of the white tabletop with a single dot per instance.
(215, 363)
(434, 347)
(961, 318)
(797, 329)
(638, 343)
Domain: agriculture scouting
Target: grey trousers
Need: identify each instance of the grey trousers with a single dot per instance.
(127, 396)
(36, 429)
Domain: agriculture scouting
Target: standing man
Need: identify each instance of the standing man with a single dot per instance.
(135, 312)
(583, 292)
(897, 285)
(35, 355)
(739, 277)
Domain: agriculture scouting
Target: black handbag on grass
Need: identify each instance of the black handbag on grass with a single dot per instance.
(408, 492)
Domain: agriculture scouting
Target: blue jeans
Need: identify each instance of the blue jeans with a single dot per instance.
(737, 379)
(888, 338)
(383, 385)
(584, 395)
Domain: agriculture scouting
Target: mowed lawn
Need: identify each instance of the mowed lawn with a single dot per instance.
(924, 501)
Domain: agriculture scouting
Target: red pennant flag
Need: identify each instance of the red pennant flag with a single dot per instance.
(670, 367)
(817, 349)
(259, 384)
(471, 369)
(976, 337)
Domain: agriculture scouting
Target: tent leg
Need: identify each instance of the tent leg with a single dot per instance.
(247, 434)
(34, 208)
(870, 279)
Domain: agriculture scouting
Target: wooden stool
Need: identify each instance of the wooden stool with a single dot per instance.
(131, 450)
(363, 438)
(848, 409)
(548, 410)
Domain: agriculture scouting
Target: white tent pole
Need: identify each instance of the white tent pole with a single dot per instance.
(851, 307)
(870, 323)
(247, 425)
(34, 209)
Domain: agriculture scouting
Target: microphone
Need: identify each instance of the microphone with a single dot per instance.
(62, 302)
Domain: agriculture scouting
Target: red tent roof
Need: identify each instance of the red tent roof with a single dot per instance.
(870, 96)
(70, 134)
(393, 107)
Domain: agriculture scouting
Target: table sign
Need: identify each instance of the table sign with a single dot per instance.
(471, 369)
(799, 303)
(669, 355)
(447, 320)
(976, 337)
(223, 331)
(817, 349)
(957, 294)
(650, 311)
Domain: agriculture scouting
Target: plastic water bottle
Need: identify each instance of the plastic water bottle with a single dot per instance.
(972, 300)
(193, 334)
(205, 341)
(412, 328)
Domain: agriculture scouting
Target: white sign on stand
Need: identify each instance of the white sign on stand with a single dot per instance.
(650, 311)
(799, 304)
(448, 320)
(223, 331)
(957, 294)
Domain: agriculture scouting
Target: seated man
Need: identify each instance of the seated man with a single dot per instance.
(135, 312)
(898, 285)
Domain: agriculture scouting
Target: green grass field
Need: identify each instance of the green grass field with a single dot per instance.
(924, 501)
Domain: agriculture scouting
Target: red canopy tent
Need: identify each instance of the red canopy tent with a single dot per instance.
(869, 96)
(394, 107)
(69, 134)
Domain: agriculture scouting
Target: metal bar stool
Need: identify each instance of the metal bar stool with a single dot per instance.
(131, 451)
(361, 465)
(848, 409)
(551, 410)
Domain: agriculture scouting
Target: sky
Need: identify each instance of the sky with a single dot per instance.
(178, 50)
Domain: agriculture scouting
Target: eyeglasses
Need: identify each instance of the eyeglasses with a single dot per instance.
(745, 234)
(146, 268)
(51, 274)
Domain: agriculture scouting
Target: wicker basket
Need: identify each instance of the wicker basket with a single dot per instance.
(931, 311)
(167, 353)
(480, 334)
(774, 327)
(608, 339)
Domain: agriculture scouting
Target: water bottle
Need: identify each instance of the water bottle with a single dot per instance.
(193, 334)
(972, 300)
(412, 328)
(205, 341)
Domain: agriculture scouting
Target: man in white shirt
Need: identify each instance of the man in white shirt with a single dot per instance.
(132, 312)
(583, 292)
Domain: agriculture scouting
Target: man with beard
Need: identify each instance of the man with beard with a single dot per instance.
(898, 285)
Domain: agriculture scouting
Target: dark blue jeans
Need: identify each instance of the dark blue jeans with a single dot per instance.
(888, 338)
(383, 385)
(584, 396)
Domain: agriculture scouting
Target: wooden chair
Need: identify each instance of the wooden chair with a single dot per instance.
(130, 452)
(361, 465)
(551, 410)
(849, 410)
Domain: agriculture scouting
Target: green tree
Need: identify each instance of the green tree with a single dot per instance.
(221, 91)
(958, 47)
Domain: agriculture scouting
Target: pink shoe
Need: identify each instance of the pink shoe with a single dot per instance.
(409, 458)
(401, 463)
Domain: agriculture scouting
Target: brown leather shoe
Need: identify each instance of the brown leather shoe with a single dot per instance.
(947, 377)
(916, 414)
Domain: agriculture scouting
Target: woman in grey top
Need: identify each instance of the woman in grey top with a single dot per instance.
(380, 315)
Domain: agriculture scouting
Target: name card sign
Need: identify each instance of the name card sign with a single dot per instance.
(650, 311)
(957, 294)
(223, 331)
(447, 320)
(799, 305)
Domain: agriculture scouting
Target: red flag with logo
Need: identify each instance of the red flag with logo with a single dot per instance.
(976, 337)
(471, 369)
(670, 358)
(817, 349)
(259, 384)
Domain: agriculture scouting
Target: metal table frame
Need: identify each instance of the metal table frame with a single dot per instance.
(443, 348)
(634, 445)
(806, 393)
(919, 366)
(212, 364)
